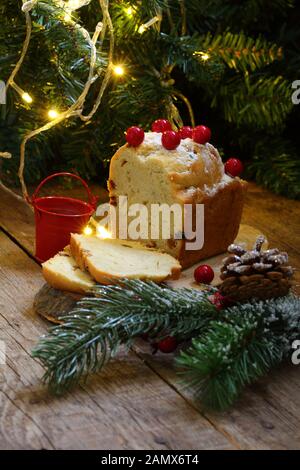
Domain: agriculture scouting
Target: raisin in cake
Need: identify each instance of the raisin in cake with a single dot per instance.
(191, 174)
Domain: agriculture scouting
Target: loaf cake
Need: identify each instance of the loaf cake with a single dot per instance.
(107, 260)
(190, 174)
(62, 273)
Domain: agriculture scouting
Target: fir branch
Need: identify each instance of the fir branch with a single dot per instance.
(56, 67)
(276, 166)
(184, 52)
(258, 102)
(242, 346)
(98, 326)
(242, 52)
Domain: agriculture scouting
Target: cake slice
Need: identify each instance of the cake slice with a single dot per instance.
(62, 272)
(107, 260)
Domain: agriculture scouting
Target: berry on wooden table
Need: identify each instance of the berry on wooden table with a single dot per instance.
(167, 345)
(234, 167)
(201, 134)
(204, 274)
(135, 136)
(161, 125)
(186, 132)
(170, 140)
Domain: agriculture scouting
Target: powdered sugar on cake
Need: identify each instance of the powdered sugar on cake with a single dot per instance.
(192, 166)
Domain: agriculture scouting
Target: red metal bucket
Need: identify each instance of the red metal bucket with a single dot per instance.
(56, 217)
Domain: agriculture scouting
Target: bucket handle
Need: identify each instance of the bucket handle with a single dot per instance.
(92, 199)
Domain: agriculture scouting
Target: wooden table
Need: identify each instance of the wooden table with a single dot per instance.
(137, 402)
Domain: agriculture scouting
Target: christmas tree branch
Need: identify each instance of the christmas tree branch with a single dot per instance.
(230, 349)
(277, 167)
(10, 82)
(98, 326)
(242, 52)
(242, 346)
(263, 103)
(76, 109)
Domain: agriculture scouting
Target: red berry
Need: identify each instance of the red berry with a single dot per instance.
(234, 167)
(170, 140)
(186, 132)
(218, 300)
(201, 134)
(161, 125)
(167, 345)
(221, 301)
(135, 136)
(204, 274)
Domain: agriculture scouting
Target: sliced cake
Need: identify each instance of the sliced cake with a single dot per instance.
(62, 272)
(107, 260)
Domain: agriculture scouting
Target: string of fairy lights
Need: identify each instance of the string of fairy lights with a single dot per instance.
(55, 117)
(65, 10)
(68, 7)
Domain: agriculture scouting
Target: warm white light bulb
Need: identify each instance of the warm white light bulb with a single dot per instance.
(129, 11)
(87, 230)
(53, 114)
(27, 98)
(119, 70)
(102, 232)
(142, 29)
(204, 56)
(75, 4)
(68, 18)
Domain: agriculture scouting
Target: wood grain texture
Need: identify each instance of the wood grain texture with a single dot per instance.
(279, 219)
(268, 414)
(128, 406)
(266, 417)
(17, 218)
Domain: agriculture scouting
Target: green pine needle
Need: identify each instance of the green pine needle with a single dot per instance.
(244, 87)
(241, 347)
(230, 349)
(98, 326)
(280, 171)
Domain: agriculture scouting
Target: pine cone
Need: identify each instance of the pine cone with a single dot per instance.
(255, 274)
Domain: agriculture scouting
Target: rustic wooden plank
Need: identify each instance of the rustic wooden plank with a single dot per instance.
(267, 415)
(17, 219)
(276, 216)
(279, 219)
(127, 406)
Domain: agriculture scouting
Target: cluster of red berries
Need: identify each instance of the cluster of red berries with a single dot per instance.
(170, 139)
(203, 274)
(169, 344)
